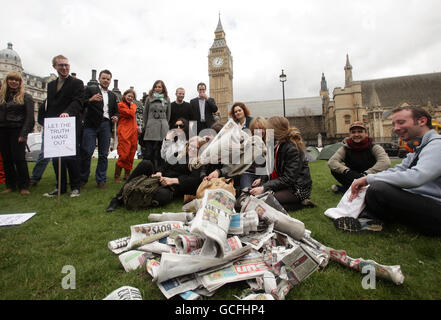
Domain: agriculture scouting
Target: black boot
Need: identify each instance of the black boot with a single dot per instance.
(114, 204)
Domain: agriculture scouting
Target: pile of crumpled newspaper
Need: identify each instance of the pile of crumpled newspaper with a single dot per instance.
(195, 252)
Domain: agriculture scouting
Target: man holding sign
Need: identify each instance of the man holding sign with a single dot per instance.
(65, 99)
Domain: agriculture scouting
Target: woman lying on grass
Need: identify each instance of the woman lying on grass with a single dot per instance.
(176, 179)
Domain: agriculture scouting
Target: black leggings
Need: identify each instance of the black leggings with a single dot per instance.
(14, 162)
(347, 178)
(288, 200)
(164, 195)
(393, 204)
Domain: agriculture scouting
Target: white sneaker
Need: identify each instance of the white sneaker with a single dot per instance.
(51, 194)
(75, 193)
(337, 188)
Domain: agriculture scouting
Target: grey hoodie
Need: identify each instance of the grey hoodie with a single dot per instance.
(425, 177)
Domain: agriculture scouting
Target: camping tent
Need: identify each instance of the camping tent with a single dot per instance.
(328, 151)
(312, 153)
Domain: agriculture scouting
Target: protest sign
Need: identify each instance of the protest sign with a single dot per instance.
(59, 137)
(14, 219)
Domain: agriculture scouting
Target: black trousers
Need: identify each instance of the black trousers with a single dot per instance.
(69, 165)
(152, 152)
(346, 179)
(14, 161)
(289, 200)
(393, 204)
(163, 195)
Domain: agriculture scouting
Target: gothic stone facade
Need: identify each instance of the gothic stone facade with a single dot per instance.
(372, 101)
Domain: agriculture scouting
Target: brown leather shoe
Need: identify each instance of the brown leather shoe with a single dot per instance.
(9, 190)
(24, 192)
(101, 185)
(32, 184)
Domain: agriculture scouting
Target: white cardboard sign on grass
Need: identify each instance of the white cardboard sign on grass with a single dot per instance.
(14, 219)
(59, 137)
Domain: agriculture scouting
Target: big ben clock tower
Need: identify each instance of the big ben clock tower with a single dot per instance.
(220, 72)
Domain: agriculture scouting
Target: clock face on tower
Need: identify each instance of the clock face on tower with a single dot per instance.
(217, 62)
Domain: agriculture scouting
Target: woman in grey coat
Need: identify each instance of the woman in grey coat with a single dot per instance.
(156, 116)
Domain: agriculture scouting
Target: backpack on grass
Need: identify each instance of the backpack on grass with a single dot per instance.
(138, 193)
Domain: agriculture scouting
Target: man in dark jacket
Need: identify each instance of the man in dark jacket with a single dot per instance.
(179, 108)
(203, 108)
(65, 99)
(101, 112)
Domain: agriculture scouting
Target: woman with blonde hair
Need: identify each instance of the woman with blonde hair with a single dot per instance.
(16, 121)
(258, 127)
(127, 134)
(291, 179)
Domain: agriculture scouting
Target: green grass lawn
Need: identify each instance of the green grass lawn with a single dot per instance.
(76, 231)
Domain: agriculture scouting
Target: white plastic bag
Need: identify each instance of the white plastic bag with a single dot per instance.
(345, 208)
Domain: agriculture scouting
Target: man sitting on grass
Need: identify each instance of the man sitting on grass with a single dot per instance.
(409, 193)
(356, 158)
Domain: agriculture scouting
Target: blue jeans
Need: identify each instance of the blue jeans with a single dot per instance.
(41, 164)
(88, 144)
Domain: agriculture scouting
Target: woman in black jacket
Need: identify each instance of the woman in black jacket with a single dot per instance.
(176, 179)
(290, 180)
(16, 121)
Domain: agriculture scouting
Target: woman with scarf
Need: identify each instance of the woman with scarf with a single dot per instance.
(16, 121)
(156, 117)
(127, 135)
(356, 158)
(290, 180)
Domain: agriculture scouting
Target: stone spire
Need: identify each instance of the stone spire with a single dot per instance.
(219, 26)
(374, 99)
(348, 72)
(323, 84)
(219, 39)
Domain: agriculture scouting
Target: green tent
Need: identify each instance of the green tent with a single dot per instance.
(312, 153)
(328, 151)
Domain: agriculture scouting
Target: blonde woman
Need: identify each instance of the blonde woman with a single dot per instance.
(257, 127)
(16, 121)
(290, 180)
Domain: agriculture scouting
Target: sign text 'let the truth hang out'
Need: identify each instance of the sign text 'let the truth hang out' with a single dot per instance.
(59, 137)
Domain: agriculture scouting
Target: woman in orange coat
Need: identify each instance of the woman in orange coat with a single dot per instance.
(127, 134)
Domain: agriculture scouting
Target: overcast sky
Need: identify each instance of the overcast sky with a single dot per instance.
(142, 41)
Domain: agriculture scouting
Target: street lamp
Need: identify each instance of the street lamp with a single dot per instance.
(282, 78)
